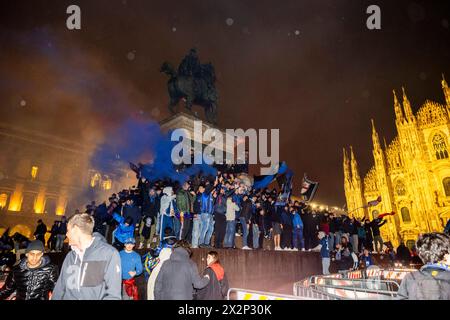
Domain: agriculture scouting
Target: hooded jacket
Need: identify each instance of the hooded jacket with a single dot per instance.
(231, 210)
(178, 277)
(164, 255)
(167, 202)
(217, 287)
(95, 275)
(123, 232)
(30, 284)
(431, 282)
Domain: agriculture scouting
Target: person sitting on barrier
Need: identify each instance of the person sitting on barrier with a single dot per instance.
(366, 259)
(432, 281)
(217, 288)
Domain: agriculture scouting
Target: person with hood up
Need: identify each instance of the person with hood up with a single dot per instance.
(167, 211)
(33, 278)
(217, 288)
(432, 281)
(92, 269)
(164, 255)
(178, 276)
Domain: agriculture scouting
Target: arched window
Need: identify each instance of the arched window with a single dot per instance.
(400, 188)
(440, 147)
(405, 214)
(446, 183)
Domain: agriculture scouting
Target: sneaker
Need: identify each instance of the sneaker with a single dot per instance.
(303, 249)
(237, 234)
(246, 248)
(295, 249)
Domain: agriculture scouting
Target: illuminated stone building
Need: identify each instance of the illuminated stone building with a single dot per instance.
(411, 174)
(43, 177)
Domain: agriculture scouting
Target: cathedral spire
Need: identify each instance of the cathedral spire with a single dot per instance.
(407, 106)
(446, 90)
(346, 163)
(375, 138)
(397, 108)
(354, 165)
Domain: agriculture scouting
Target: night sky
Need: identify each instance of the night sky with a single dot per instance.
(310, 68)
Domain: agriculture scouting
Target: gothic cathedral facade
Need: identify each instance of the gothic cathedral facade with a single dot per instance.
(411, 174)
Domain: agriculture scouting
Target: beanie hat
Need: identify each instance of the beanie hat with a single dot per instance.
(35, 245)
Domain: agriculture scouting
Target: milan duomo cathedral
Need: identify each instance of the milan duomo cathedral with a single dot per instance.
(411, 174)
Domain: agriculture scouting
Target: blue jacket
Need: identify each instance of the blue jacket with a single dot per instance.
(324, 250)
(297, 221)
(367, 260)
(123, 232)
(130, 262)
(207, 203)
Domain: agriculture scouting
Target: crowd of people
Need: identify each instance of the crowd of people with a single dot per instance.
(170, 219)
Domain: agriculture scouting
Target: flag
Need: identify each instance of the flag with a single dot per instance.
(261, 182)
(374, 203)
(309, 188)
(135, 168)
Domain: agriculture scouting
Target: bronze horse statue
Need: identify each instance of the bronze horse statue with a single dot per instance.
(195, 88)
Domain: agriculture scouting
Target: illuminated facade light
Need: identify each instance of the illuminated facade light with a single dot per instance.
(95, 180)
(39, 202)
(106, 184)
(15, 203)
(3, 200)
(34, 172)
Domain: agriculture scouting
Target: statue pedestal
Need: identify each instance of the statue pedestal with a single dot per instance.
(186, 121)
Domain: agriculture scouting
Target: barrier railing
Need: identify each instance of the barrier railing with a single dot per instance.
(312, 294)
(245, 294)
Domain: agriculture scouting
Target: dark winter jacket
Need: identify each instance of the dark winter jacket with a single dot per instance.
(376, 225)
(41, 230)
(220, 204)
(178, 277)
(431, 282)
(215, 289)
(246, 211)
(184, 201)
(132, 211)
(30, 284)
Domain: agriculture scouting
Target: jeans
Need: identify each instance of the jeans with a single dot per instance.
(230, 234)
(196, 227)
(207, 228)
(158, 224)
(326, 265)
(177, 228)
(220, 227)
(244, 231)
(337, 238)
(255, 230)
(354, 242)
(331, 241)
(299, 242)
(60, 241)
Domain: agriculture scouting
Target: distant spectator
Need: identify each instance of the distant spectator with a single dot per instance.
(366, 259)
(403, 254)
(324, 249)
(124, 230)
(40, 232)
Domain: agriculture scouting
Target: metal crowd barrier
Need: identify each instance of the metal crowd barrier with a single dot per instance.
(358, 284)
(245, 294)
